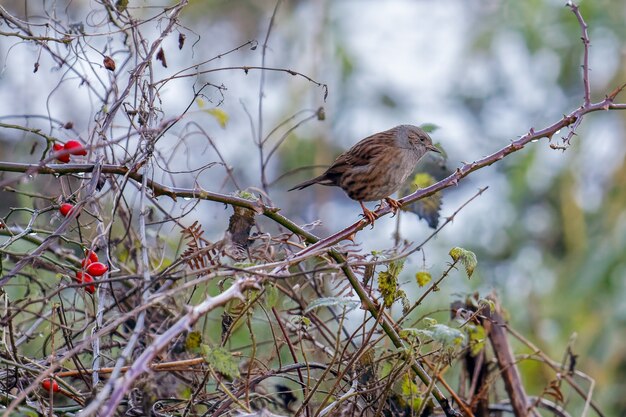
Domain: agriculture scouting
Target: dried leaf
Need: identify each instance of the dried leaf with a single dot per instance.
(160, 56)
(109, 63)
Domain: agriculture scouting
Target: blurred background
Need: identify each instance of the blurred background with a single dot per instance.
(549, 233)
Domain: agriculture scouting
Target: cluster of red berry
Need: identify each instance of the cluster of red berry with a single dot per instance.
(71, 147)
(50, 384)
(91, 267)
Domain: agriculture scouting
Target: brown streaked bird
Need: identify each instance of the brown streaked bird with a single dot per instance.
(377, 166)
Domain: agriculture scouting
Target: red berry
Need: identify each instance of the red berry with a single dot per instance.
(96, 269)
(84, 278)
(91, 255)
(65, 209)
(48, 384)
(89, 288)
(65, 158)
(75, 147)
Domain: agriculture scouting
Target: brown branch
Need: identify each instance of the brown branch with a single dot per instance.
(182, 365)
(464, 171)
(585, 38)
(143, 361)
(494, 325)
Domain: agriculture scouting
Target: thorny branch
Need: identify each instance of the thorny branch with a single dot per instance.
(119, 385)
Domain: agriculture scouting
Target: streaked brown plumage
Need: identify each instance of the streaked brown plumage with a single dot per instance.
(377, 166)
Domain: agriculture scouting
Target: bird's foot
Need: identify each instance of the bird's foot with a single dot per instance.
(369, 215)
(394, 205)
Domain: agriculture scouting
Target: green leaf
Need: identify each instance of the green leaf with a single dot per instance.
(298, 320)
(271, 295)
(410, 393)
(446, 335)
(385, 369)
(426, 208)
(221, 360)
(423, 278)
(429, 127)
(466, 257)
(220, 115)
(246, 195)
(331, 302)
(443, 334)
(429, 321)
(477, 338)
(488, 302)
(388, 282)
(186, 393)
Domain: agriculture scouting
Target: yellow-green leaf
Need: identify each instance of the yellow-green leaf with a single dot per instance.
(477, 338)
(121, 5)
(423, 278)
(466, 257)
(410, 393)
(388, 282)
(192, 343)
(220, 115)
(426, 208)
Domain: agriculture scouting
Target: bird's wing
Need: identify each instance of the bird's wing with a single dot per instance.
(364, 152)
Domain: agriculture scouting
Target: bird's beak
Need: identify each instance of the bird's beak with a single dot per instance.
(433, 148)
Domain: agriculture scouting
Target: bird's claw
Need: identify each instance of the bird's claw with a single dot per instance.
(369, 215)
(394, 205)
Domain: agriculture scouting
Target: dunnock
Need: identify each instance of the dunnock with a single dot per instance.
(377, 166)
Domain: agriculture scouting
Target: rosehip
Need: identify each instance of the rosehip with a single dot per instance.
(97, 269)
(65, 158)
(75, 147)
(93, 257)
(84, 278)
(79, 277)
(48, 384)
(90, 257)
(65, 209)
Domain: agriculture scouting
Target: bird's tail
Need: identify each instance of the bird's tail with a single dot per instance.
(322, 179)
